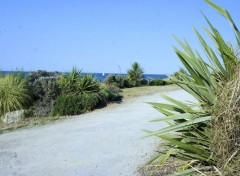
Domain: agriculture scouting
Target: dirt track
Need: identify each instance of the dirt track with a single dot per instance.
(105, 142)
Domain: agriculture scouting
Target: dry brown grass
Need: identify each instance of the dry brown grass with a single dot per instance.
(226, 127)
(131, 93)
(169, 167)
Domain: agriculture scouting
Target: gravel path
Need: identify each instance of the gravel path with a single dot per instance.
(102, 143)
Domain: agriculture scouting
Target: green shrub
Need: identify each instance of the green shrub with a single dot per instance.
(74, 104)
(68, 82)
(45, 91)
(33, 76)
(157, 82)
(111, 79)
(119, 81)
(14, 93)
(45, 87)
(122, 81)
(112, 93)
(144, 82)
(41, 107)
(77, 83)
(87, 84)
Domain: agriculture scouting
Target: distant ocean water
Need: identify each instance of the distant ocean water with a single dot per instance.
(102, 76)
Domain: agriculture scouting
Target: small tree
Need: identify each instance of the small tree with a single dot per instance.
(135, 74)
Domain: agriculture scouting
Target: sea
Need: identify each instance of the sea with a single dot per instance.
(101, 76)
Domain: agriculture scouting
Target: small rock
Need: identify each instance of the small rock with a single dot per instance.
(13, 116)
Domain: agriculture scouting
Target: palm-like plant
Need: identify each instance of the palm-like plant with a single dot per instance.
(78, 83)
(135, 74)
(14, 93)
(67, 83)
(189, 134)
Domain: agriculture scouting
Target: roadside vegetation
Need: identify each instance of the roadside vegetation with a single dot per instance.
(202, 138)
(40, 96)
(14, 93)
(134, 78)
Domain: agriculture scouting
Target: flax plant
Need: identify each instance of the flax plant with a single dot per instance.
(14, 93)
(190, 132)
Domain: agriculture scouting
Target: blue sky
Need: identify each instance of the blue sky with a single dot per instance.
(102, 35)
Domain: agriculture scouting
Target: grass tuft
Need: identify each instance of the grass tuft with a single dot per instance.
(226, 127)
(14, 93)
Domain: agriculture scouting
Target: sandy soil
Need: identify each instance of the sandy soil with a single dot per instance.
(105, 142)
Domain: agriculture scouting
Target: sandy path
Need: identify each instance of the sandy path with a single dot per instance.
(105, 142)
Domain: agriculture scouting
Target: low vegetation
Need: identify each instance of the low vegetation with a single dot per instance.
(44, 94)
(157, 82)
(74, 104)
(134, 78)
(14, 93)
(127, 94)
(203, 137)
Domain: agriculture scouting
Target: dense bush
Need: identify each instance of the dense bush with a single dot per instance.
(122, 81)
(157, 82)
(45, 88)
(14, 93)
(112, 93)
(77, 83)
(111, 79)
(33, 76)
(144, 82)
(45, 91)
(79, 93)
(74, 104)
(40, 108)
(68, 82)
(118, 80)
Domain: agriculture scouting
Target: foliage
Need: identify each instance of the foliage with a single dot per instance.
(226, 127)
(122, 81)
(178, 73)
(68, 82)
(157, 82)
(14, 93)
(45, 87)
(40, 108)
(189, 136)
(134, 74)
(87, 84)
(82, 89)
(117, 80)
(111, 79)
(45, 91)
(144, 82)
(33, 76)
(112, 93)
(77, 83)
(74, 104)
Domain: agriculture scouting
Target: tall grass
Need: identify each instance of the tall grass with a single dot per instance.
(14, 93)
(226, 127)
(190, 134)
